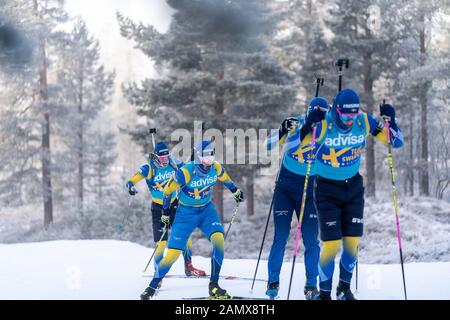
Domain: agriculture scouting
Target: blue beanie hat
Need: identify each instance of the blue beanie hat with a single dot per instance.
(318, 101)
(161, 149)
(205, 147)
(347, 101)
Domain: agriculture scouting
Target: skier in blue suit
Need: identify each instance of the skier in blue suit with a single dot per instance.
(288, 197)
(195, 181)
(338, 190)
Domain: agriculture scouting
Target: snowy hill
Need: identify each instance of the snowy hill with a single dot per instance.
(109, 269)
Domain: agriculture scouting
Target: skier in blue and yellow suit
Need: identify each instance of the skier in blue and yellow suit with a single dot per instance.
(338, 190)
(288, 197)
(157, 172)
(195, 181)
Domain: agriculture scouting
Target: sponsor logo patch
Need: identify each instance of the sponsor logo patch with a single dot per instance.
(331, 223)
(357, 220)
(344, 140)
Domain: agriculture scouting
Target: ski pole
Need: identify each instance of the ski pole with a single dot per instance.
(232, 219)
(302, 208)
(267, 225)
(156, 247)
(120, 227)
(394, 192)
(357, 250)
(319, 83)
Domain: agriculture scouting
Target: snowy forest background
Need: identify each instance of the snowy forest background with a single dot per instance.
(82, 81)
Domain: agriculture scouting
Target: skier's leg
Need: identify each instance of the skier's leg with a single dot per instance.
(283, 207)
(164, 266)
(327, 198)
(159, 253)
(187, 253)
(348, 258)
(310, 233)
(326, 263)
(218, 243)
(211, 226)
(158, 229)
(352, 228)
(185, 222)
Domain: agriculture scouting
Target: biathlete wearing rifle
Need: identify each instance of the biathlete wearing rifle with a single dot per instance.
(157, 173)
(288, 197)
(339, 190)
(195, 181)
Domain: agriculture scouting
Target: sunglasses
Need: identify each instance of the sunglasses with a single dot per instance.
(347, 116)
(164, 158)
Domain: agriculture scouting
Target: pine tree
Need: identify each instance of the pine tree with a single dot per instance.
(427, 67)
(86, 88)
(214, 66)
(371, 45)
(302, 48)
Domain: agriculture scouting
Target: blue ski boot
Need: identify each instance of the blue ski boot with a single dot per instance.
(272, 290)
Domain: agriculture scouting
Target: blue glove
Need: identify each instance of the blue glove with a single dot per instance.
(387, 112)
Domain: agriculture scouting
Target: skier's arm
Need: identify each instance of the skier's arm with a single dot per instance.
(182, 177)
(288, 126)
(223, 176)
(378, 129)
(306, 135)
(275, 139)
(144, 173)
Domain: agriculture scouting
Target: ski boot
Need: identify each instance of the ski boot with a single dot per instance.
(324, 295)
(272, 290)
(191, 271)
(311, 293)
(216, 292)
(148, 293)
(343, 291)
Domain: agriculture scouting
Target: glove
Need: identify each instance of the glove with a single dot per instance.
(314, 116)
(175, 204)
(131, 189)
(287, 125)
(238, 195)
(387, 112)
(165, 218)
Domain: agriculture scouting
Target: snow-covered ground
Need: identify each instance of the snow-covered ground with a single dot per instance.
(110, 269)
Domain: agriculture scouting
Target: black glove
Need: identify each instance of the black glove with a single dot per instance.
(287, 125)
(131, 189)
(312, 117)
(387, 112)
(238, 195)
(174, 204)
